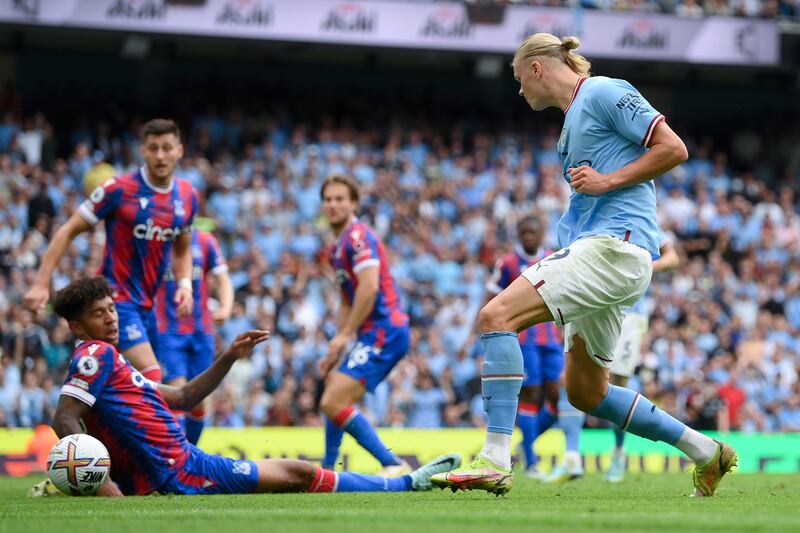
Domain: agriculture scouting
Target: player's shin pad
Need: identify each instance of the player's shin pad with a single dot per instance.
(501, 380)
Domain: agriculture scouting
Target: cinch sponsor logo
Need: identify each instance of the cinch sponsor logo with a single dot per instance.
(137, 9)
(643, 35)
(151, 232)
(246, 13)
(350, 17)
(546, 24)
(197, 273)
(451, 23)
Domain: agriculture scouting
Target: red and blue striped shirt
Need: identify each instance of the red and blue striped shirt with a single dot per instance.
(142, 220)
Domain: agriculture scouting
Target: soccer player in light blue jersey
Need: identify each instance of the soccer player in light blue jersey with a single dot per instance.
(613, 144)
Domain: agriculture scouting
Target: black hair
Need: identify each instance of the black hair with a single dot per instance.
(75, 298)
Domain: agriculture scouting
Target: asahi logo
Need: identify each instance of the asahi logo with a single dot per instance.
(447, 22)
(29, 8)
(246, 13)
(746, 41)
(137, 9)
(350, 17)
(644, 35)
(546, 23)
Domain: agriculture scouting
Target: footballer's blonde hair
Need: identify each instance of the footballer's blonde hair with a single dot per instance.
(548, 45)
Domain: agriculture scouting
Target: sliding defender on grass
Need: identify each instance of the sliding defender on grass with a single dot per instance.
(149, 452)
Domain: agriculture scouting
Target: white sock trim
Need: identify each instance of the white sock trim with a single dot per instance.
(497, 449)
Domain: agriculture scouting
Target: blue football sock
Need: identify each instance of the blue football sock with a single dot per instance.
(333, 441)
(571, 423)
(634, 413)
(527, 420)
(501, 380)
(352, 482)
(357, 425)
(193, 427)
(547, 417)
(619, 438)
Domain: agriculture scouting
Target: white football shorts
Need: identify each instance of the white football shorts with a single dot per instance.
(588, 285)
(628, 351)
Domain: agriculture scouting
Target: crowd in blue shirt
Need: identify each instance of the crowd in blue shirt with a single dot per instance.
(723, 349)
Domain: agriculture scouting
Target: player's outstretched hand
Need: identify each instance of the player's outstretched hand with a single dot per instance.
(586, 180)
(110, 490)
(220, 316)
(244, 343)
(36, 298)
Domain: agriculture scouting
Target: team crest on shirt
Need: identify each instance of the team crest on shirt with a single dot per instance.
(241, 467)
(88, 365)
(179, 210)
(133, 332)
(143, 202)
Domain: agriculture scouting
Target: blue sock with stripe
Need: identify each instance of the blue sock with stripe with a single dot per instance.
(333, 441)
(328, 481)
(548, 415)
(352, 482)
(501, 381)
(357, 425)
(636, 414)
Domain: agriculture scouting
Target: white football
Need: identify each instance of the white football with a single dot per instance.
(78, 465)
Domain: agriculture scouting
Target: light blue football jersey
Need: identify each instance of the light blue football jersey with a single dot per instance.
(608, 125)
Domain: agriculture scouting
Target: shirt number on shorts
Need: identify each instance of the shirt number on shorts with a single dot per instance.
(359, 355)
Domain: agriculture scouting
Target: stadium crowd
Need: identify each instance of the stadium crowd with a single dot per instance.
(723, 350)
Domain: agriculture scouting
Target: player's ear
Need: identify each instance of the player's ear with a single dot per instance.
(180, 149)
(75, 328)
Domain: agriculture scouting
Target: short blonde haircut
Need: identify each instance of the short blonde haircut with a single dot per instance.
(548, 45)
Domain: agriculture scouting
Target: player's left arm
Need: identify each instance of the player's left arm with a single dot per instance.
(215, 263)
(669, 259)
(666, 151)
(625, 112)
(192, 393)
(182, 267)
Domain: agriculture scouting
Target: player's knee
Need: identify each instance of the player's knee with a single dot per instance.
(299, 476)
(330, 404)
(583, 397)
(493, 318)
(530, 395)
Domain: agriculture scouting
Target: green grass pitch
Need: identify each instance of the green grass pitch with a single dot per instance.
(646, 502)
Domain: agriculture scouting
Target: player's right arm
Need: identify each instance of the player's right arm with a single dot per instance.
(184, 398)
(87, 377)
(103, 201)
(37, 296)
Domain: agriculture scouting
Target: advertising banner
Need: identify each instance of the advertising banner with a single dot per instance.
(23, 451)
(418, 25)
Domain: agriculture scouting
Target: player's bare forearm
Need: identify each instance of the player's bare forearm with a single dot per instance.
(67, 418)
(192, 393)
(225, 293)
(363, 300)
(182, 257)
(58, 247)
(343, 316)
(669, 259)
(666, 152)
